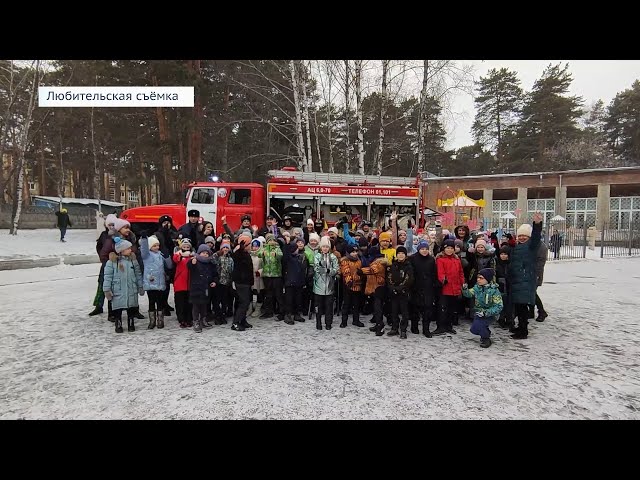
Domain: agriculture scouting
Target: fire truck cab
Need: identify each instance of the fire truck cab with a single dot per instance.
(331, 196)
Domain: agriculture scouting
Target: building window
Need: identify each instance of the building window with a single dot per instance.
(623, 211)
(581, 212)
(546, 206)
(240, 196)
(133, 196)
(502, 207)
(32, 186)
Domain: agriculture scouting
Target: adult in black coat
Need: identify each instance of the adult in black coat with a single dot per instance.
(167, 235)
(192, 229)
(423, 292)
(243, 278)
(63, 222)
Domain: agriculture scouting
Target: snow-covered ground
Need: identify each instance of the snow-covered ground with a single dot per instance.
(46, 242)
(581, 363)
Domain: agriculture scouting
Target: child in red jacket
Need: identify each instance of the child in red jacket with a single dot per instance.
(181, 258)
(451, 277)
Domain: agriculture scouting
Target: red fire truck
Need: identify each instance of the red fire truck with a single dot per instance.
(301, 195)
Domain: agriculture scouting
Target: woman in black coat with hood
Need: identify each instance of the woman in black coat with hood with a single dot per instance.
(167, 235)
(424, 288)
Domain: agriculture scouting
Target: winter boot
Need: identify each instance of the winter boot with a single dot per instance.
(425, 329)
(541, 316)
(138, 315)
(502, 322)
(343, 323)
(131, 323)
(205, 323)
(96, 311)
(196, 325)
(237, 327)
(118, 322)
(357, 323)
(298, 318)
(392, 332)
(380, 330)
(160, 318)
(485, 342)
(289, 320)
(414, 326)
(246, 324)
(438, 331)
(520, 335)
(451, 330)
(167, 311)
(318, 322)
(403, 334)
(152, 320)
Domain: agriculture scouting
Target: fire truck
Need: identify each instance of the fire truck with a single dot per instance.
(300, 195)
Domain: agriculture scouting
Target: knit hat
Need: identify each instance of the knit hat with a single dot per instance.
(314, 236)
(121, 244)
(487, 273)
(269, 237)
(209, 239)
(525, 229)
(186, 241)
(449, 243)
(361, 233)
(334, 230)
(310, 222)
(325, 241)
(352, 248)
(422, 244)
(299, 239)
(385, 236)
(363, 242)
(256, 242)
(481, 241)
(120, 223)
(457, 243)
(401, 249)
(505, 249)
(245, 238)
(203, 248)
(153, 240)
(110, 219)
(225, 244)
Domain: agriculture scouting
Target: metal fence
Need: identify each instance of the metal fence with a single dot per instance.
(565, 240)
(620, 242)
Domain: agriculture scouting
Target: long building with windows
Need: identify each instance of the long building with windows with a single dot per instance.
(600, 197)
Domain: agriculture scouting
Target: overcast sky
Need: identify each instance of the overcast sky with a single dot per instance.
(592, 79)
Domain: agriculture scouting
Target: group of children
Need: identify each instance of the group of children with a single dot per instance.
(405, 277)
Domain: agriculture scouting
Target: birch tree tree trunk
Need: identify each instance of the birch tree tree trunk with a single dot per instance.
(22, 150)
(305, 112)
(383, 111)
(330, 81)
(358, 81)
(303, 164)
(422, 118)
(347, 156)
(316, 131)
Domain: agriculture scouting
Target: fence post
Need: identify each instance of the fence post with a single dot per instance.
(602, 240)
(630, 234)
(584, 239)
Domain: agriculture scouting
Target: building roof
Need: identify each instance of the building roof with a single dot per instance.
(80, 201)
(536, 174)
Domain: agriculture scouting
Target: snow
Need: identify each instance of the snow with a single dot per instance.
(46, 242)
(581, 363)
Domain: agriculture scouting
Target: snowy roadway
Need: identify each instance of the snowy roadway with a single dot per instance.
(583, 362)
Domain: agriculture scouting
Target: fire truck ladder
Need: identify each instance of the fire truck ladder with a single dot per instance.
(345, 178)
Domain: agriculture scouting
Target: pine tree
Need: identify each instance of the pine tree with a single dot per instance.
(548, 116)
(498, 105)
(623, 125)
